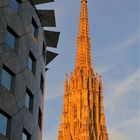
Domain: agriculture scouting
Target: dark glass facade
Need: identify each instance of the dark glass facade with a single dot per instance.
(6, 79)
(10, 40)
(34, 29)
(31, 63)
(22, 69)
(14, 4)
(3, 124)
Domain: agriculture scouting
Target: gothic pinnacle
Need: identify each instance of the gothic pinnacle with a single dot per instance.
(83, 56)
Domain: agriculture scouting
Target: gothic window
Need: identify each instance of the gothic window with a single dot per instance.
(10, 38)
(26, 135)
(7, 78)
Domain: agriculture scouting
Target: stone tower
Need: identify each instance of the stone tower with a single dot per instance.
(83, 114)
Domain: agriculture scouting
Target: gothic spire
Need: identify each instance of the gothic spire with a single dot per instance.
(83, 56)
(83, 111)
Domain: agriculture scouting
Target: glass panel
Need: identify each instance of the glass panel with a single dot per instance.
(10, 40)
(6, 79)
(41, 83)
(43, 51)
(39, 118)
(3, 124)
(30, 63)
(14, 5)
(27, 101)
(33, 30)
(24, 136)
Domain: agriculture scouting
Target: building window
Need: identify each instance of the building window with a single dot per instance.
(26, 135)
(3, 124)
(34, 29)
(10, 38)
(14, 4)
(40, 119)
(31, 62)
(7, 77)
(44, 52)
(42, 84)
(29, 100)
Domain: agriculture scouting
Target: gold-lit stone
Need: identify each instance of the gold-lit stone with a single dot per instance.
(83, 113)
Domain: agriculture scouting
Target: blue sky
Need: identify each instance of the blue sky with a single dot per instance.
(114, 30)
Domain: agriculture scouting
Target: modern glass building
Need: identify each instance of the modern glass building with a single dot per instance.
(23, 60)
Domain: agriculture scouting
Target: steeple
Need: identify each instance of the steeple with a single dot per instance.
(83, 115)
(83, 56)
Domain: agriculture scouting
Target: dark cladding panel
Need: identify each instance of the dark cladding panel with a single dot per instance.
(51, 38)
(50, 56)
(41, 1)
(47, 18)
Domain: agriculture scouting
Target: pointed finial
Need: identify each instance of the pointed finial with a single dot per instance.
(84, 1)
(66, 79)
(97, 76)
(96, 82)
(100, 82)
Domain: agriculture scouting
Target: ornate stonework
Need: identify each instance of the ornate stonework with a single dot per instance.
(83, 114)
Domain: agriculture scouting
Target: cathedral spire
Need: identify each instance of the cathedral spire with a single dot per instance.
(83, 56)
(83, 115)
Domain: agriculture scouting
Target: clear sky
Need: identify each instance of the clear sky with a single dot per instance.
(114, 30)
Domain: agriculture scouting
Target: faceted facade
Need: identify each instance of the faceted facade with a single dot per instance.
(23, 58)
(83, 115)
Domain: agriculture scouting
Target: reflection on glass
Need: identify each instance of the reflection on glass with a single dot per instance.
(3, 124)
(27, 101)
(34, 29)
(24, 136)
(30, 63)
(10, 40)
(14, 5)
(6, 79)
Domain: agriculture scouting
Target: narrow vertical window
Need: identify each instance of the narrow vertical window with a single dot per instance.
(10, 38)
(34, 29)
(29, 100)
(40, 119)
(3, 124)
(7, 78)
(26, 135)
(42, 84)
(14, 4)
(43, 51)
(31, 63)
